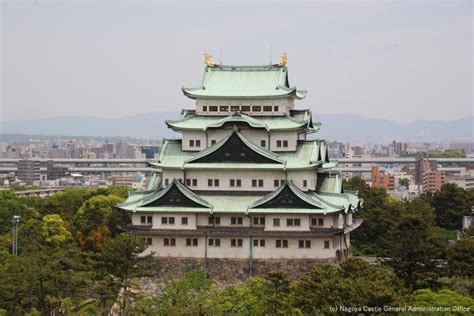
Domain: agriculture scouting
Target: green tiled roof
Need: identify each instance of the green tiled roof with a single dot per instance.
(138, 200)
(307, 155)
(225, 81)
(190, 121)
(288, 184)
(248, 204)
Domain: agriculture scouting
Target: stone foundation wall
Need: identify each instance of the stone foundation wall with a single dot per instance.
(228, 271)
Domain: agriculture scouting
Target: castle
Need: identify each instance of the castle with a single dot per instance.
(245, 184)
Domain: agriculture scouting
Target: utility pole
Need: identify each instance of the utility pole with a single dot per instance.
(15, 221)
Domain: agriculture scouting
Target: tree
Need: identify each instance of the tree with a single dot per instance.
(404, 182)
(243, 299)
(451, 204)
(444, 298)
(120, 261)
(53, 230)
(277, 293)
(354, 283)
(412, 247)
(97, 219)
(186, 295)
(380, 214)
(461, 257)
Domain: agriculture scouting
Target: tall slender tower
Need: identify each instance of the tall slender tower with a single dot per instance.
(244, 184)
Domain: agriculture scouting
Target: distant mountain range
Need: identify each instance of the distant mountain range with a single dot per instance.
(342, 127)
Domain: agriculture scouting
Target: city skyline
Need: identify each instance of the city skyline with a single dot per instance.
(395, 61)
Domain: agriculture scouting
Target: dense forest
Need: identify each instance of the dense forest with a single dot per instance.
(73, 260)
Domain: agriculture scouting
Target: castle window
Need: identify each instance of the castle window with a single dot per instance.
(216, 182)
(236, 242)
(191, 143)
(275, 109)
(238, 183)
(232, 183)
(267, 108)
(305, 183)
(169, 242)
(259, 220)
(276, 222)
(278, 143)
(204, 108)
(213, 141)
(234, 108)
(285, 143)
(167, 181)
(214, 242)
(191, 242)
(224, 108)
(259, 242)
(293, 222)
(214, 220)
(281, 243)
(188, 182)
(184, 221)
(304, 243)
(327, 244)
(256, 108)
(245, 108)
(209, 182)
(149, 219)
(213, 108)
(198, 143)
(167, 220)
(236, 221)
(260, 183)
(276, 183)
(254, 183)
(263, 143)
(149, 241)
(195, 182)
(321, 221)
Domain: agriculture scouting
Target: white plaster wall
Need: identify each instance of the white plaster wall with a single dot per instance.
(290, 136)
(270, 251)
(224, 176)
(297, 176)
(217, 135)
(136, 218)
(193, 135)
(202, 219)
(328, 220)
(171, 174)
(180, 250)
(284, 104)
(316, 251)
(305, 223)
(177, 221)
(226, 251)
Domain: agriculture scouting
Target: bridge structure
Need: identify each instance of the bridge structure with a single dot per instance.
(103, 166)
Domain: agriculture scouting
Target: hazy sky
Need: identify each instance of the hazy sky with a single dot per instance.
(402, 61)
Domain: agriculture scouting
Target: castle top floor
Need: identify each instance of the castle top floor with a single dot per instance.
(255, 90)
